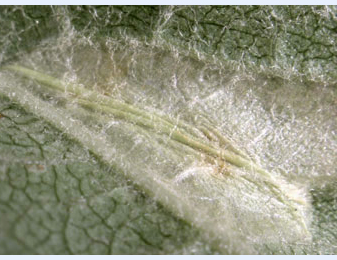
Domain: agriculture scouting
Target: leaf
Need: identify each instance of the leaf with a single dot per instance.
(77, 176)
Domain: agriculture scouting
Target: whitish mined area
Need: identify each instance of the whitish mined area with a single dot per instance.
(227, 202)
(140, 145)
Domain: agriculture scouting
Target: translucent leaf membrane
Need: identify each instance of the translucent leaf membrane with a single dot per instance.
(172, 144)
(227, 204)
